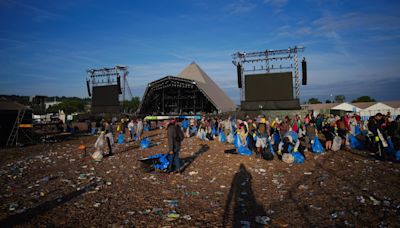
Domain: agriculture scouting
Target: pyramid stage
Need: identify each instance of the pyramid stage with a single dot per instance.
(191, 92)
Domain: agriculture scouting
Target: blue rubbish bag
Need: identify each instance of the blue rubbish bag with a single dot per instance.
(243, 150)
(290, 148)
(271, 148)
(145, 143)
(277, 138)
(317, 146)
(222, 137)
(355, 143)
(193, 130)
(185, 124)
(214, 131)
(294, 135)
(398, 155)
(236, 141)
(121, 139)
(357, 130)
(298, 158)
(390, 149)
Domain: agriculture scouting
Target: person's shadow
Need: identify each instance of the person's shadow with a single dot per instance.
(241, 207)
(187, 161)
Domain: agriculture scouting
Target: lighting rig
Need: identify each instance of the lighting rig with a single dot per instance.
(109, 76)
(269, 61)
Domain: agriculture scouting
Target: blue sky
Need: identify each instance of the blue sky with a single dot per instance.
(352, 47)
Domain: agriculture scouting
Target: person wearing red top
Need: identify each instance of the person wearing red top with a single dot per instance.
(342, 130)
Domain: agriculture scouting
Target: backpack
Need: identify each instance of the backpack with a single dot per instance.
(179, 134)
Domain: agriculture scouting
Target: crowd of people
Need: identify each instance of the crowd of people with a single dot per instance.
(107, 129)
(265, 136)
(287, 139)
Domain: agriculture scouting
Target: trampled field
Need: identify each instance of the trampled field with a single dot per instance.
(55, 185)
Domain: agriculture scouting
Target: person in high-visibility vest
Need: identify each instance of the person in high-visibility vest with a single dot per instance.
(375, 127)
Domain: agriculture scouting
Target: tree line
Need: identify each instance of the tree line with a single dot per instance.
(67, 104)
(341, 99)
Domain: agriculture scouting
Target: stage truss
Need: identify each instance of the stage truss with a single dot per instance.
(269, 61)
(110, 76)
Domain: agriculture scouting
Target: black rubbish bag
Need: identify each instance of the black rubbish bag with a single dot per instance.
(267, 154)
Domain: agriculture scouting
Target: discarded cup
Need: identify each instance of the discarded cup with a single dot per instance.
(263, 220)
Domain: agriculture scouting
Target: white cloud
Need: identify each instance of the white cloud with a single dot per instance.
(240, 7)
(276, 3)
(38, 14)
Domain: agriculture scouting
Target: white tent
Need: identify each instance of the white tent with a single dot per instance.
(395, 105)
(346, 107)
(376, 108)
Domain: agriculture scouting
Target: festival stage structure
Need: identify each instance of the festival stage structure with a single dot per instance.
(265, 79)
(15, 123)
(191, 92)
(104, 86)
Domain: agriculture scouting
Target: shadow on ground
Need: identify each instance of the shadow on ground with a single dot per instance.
(187, 161)
(241, 207)
(31, 213)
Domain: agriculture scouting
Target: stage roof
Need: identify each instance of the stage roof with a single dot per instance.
(218, 97)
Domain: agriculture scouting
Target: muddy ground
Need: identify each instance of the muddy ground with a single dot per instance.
(57, 185)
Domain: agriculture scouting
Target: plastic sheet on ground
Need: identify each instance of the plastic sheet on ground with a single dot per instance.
(145, 143)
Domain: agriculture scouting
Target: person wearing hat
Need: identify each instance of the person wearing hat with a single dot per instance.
(175, 137)
(242, 132)
(311, 132)
(262, 135)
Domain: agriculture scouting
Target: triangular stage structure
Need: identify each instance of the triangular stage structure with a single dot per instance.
(192, 91)
(207, 85)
